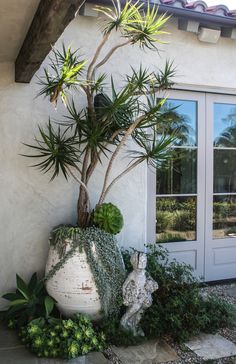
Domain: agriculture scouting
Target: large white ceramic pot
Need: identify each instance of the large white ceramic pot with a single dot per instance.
(73, 285)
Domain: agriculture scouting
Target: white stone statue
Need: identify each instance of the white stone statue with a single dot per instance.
(137, 293)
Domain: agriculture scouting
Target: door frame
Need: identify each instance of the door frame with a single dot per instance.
(190, 251)
(202, 252)
(215, 249)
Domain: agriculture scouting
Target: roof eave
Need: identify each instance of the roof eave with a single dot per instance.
(197, 16)
(201, 17)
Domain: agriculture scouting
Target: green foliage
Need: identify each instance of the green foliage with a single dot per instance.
(66, 67)
(57, 150)
(164, 220)
(183, 221)
(29, 301)
(173, 214)
(112, 114)
(232, 230)
(104, 259)
(218, 313)
(66, 339)
(116, 335)
(108, 218)
(169, 238)
(223, 213)
(137, 24)
(178, 308)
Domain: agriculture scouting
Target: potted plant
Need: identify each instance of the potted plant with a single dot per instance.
(84, 270)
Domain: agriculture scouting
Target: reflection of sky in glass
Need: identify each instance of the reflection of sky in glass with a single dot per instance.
(188, 111)
(224, 117)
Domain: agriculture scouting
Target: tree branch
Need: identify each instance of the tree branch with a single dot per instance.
(93, 164)
(117, 150)
(81, 184)
(122, 174)
(109, 54)
(96, 55)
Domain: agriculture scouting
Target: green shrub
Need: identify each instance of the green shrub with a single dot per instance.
(170, 238)
(164, 220)
(178, 309)
(232, 230)
(109, 218)
(116, 335)
(167, 204)
(183, 221)
(57, 338)
(218, 313)
(28, 302)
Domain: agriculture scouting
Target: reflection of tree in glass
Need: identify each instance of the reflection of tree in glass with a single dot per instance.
(178, 175)
(230, 119)
(173, 121)
(227, 138)
(175, 219)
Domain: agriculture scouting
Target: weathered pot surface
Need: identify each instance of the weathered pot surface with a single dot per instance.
(73, 285)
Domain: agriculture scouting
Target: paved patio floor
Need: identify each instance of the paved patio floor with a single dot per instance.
(203, 349)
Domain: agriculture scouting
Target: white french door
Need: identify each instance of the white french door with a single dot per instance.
(220, 235)
(196, 191)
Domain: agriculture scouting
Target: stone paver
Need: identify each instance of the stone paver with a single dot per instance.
(210, 347)
(22, 356)
(96, 358)
(151, 352)
(9, 339)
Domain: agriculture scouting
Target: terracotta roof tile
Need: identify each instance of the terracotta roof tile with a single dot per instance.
(200, 6)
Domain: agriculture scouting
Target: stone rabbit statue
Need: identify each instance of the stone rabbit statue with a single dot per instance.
(137, 293)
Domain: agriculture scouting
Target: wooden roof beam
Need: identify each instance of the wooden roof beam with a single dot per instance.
(49, 22)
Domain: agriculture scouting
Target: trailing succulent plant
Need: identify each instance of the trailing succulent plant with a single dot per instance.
(106, 265)
(57, 338)
(29, 301)
(108, 218)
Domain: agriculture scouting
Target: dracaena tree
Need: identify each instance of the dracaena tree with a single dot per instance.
(112, 115)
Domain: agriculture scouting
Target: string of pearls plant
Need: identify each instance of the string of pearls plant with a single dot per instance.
(103, 256)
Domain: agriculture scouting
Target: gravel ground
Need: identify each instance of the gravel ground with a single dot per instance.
(186, 355)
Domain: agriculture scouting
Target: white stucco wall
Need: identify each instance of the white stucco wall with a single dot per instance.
(29, 205)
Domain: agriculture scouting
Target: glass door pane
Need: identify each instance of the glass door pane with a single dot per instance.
(224, 175)
(176, 182)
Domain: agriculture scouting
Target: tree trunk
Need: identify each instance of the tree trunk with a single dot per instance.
(82, 208)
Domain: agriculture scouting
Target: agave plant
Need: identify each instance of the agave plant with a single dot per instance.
(29, 301)
(113, 115)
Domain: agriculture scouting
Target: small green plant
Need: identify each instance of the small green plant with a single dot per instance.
(28, 302)
(66, 339)
(109, 218)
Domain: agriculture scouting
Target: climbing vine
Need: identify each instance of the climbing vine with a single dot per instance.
(103, 256)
